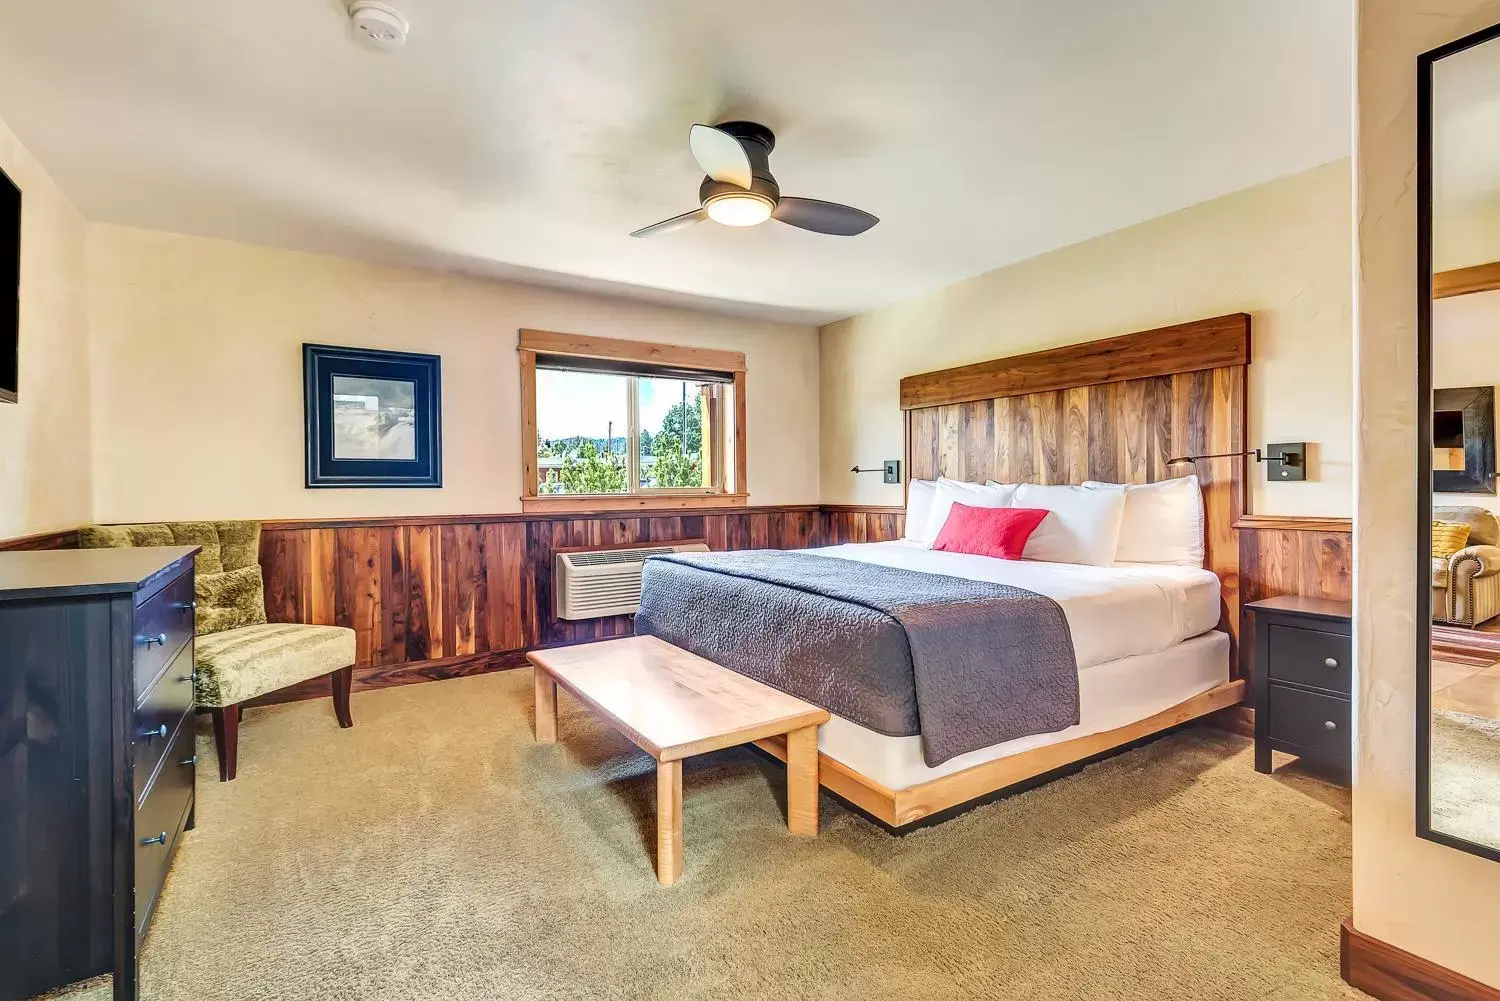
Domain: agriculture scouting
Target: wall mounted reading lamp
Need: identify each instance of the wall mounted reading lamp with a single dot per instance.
(1284, 461)
(891, 468)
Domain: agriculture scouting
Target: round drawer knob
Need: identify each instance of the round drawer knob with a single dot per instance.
(1330, 662)
(1329, 724)
(160, 839)
(158, 639)
(155, 731)
(188, 762)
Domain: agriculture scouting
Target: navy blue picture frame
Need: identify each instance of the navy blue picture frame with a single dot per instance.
(321, 363)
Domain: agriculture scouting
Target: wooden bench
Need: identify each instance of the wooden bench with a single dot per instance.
(673, 704)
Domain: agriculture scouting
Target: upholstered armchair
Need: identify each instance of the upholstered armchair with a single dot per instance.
(238, 655)
(1466, 585)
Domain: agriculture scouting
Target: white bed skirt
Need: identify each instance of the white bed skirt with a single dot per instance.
(1113, 694)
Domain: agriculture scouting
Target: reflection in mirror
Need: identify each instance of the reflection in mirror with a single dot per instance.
(1460, 724)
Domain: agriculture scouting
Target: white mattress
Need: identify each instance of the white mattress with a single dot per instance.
(1110, 695)
(1112, 612)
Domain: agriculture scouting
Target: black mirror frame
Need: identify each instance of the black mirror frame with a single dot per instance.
(1425, 443)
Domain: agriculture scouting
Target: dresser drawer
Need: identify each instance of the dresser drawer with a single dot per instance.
(1310, 720)
(1312, 657)
(163, 623)
(166, 707)
(158, 823)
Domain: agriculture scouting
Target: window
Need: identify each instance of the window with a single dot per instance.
(649, 424)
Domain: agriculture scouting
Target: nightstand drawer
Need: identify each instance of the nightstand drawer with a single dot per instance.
(1312, 721)
(1313, 657)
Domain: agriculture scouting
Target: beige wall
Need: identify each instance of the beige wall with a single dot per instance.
(1279, 251)
(1431, 900)
(1466, 352)
(198, 376)
(1465, 236)
(44, 438)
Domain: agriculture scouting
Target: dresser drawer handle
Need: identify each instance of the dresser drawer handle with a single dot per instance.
(1330, 662)
(1329, 724)
(155, 731)
(184, 606)
(189, 762)
(160, 638)
(187, 679)
(160, 839)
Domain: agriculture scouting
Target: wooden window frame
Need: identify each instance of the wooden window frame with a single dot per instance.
(547, 342)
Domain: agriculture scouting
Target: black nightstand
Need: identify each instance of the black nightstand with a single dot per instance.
(1304, 674)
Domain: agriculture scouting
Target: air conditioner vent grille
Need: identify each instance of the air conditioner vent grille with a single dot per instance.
(601, 582)
(609, 556)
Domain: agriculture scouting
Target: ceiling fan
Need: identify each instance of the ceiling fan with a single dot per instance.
(740, 191)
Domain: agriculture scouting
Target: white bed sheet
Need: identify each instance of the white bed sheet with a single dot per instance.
(1110, 695)
(1112, 612)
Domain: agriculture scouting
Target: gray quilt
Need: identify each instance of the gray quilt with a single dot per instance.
(964, 663)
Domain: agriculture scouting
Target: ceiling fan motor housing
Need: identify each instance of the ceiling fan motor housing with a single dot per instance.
(746, 192)
(757, 142)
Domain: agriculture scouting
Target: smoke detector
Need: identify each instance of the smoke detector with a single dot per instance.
(379, 25)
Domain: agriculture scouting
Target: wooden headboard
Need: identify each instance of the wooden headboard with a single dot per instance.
(1113, 410)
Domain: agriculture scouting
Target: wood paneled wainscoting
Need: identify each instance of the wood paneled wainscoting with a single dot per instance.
(440, 597)
(1288, 555)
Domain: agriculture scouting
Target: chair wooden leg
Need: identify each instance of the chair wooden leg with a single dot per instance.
(341, 680)
(226, 739)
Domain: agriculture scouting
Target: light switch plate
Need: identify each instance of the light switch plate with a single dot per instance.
(1286, 461)
(892, 469)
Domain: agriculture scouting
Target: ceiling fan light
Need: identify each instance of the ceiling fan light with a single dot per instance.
(739, 208)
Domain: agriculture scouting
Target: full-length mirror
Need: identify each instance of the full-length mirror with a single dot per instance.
(1459, 366)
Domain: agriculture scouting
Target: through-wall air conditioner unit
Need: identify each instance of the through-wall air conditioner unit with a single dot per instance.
(596, 583)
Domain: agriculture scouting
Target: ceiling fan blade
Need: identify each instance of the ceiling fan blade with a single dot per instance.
(823, 217)
(720, 155)
(676, 222)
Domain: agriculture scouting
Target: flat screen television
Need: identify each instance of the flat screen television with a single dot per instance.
(10, 289)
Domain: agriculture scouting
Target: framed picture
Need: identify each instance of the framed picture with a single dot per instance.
(1463, 440)
(373, 418)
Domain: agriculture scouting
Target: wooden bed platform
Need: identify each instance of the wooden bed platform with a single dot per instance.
(1114, 410)
(908, 806)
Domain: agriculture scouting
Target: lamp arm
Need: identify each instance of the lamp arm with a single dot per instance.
(1218, 455)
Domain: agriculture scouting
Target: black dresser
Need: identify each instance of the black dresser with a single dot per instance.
(96, 757)
(1304, 674)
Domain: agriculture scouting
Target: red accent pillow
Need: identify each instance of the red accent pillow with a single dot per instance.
(989, 531)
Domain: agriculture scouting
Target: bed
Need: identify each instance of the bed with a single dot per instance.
(1146, 647)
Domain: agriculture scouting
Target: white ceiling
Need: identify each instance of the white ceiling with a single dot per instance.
(526, 138)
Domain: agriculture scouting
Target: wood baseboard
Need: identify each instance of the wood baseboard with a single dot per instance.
(367, 678)
(1391, 974)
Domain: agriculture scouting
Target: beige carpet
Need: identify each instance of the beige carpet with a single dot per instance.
(435, 852)
(1465, 776)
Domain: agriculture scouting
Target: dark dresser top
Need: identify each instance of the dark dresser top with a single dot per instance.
(1325, 608)
(60, 572)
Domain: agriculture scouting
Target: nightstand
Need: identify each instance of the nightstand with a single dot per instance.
(1304, 674)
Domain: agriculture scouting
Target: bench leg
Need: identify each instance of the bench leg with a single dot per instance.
(668, 821)
(802, 781)
(341, 680)
(546, 706)
(226, 739)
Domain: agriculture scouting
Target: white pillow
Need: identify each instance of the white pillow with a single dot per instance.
(1084, 526)
(950, 492)
(1163, 522)
(918, 506)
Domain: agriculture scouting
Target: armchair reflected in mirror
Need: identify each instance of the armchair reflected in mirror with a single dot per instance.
(1458, 367)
